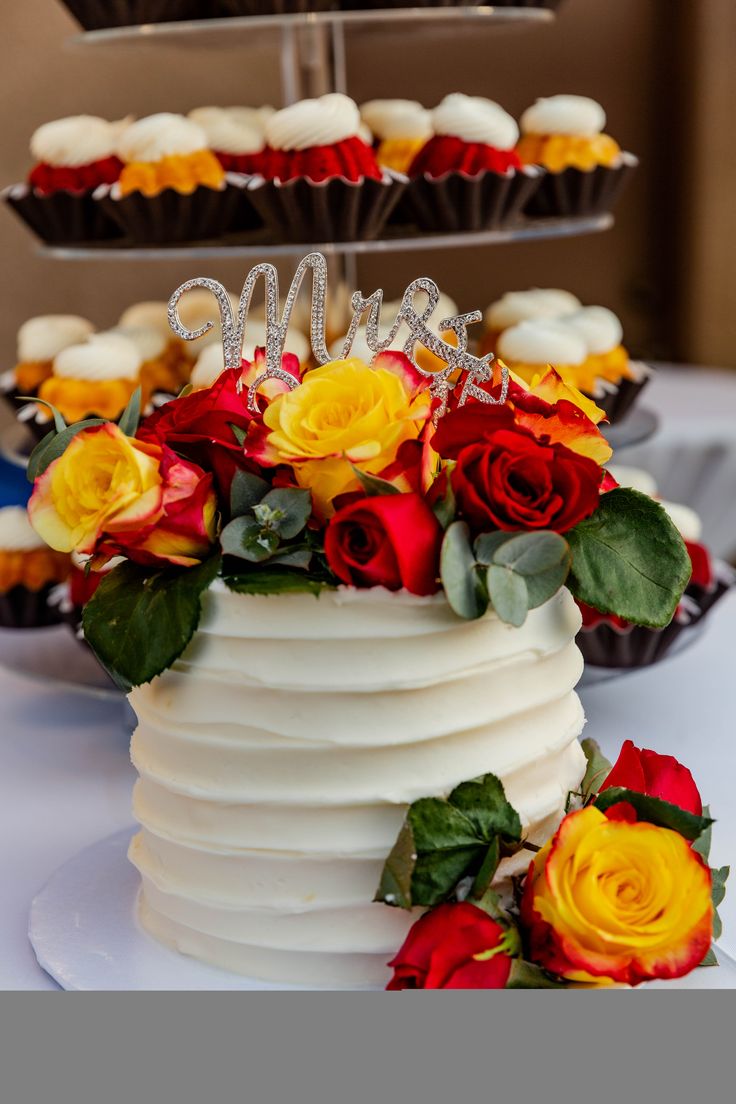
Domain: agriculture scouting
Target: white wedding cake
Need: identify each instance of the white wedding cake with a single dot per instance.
(278, 755)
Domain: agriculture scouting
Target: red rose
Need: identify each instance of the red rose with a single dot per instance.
(648, 772)
(510, 481)
(390, 540)
(448, 948)
(200, 427)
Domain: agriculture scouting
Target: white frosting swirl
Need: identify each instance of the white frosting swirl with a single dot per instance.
(266, 817)
(42, 338)
(475, 119)
(576, 115)
(542, 341)
(397, 119)
(105, 356)
(149, 342)
(599, 328)
(73, 141)
(16, 532)
(322, 122)
(229, 130)
(158, 136)
(518, 306)
(149, 315)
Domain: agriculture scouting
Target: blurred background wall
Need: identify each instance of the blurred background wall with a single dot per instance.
(661, 68)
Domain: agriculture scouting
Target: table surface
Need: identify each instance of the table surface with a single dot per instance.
(65, 775)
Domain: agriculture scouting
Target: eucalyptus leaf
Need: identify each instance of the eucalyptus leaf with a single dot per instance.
(628, 559)
(598, 768)
(130, 418)
(444, 507)
(296, 557)
(509, 595)
(140, 620)
(289, 509)
(373, 485)
(55, 445)
(719, 878)
(703, 842)
(460, 579)
(247, 539)
(710, 958)
(655, 811)
(246, 491)
(532, 553)
(487, 544)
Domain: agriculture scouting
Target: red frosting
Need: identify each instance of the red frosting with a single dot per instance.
(82, 178)
(250, 164)
(443, 154)
(351, 159)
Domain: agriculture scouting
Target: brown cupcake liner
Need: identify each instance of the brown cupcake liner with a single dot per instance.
(63, 218)
(21, 608)
(707, 597)
(96, 15)
(457, 202)
(618, 403)
(576, 193)
(334, 210)
(205, 214)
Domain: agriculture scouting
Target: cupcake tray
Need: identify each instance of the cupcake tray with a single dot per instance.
(85, 934)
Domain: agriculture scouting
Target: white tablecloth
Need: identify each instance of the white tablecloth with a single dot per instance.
(65, 777)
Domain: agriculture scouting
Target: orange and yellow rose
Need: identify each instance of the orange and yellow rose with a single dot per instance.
(610, 901)
(344, 415)
(109, 495)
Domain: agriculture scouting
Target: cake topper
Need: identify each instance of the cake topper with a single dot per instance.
(461, 368)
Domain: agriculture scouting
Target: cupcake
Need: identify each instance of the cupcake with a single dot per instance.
(521, 306)
(236, 135)
(29, 571)
(95, 15)
(468, 177)
(608, 641)
(400, 129)
(176, 362)
(157, 372)
(320, 180)
(585, 168)
(41, 339)
(172, 187)
(96, 378)
(74, 156)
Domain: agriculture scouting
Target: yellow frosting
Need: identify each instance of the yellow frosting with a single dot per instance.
(30, 374)
(32, 568)
(557, 152)
(183, 174)
(78, 398)
(613, 366)
(397, 154)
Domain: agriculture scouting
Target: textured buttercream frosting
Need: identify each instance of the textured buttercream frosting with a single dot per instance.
(542, 341)
(148, 340)
(231, 130)
(396, 119)
(519, 306)
(158, 136)
(475, 119)
(42, 338)
(307, 123)
(151, 314)
(73, 141)
(278, 755)
(575, 115)
(108, 356)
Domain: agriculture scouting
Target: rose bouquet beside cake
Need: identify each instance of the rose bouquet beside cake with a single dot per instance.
(399, 547)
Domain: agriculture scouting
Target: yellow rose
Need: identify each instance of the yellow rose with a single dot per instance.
(610, 901)
(103, 481)
(343, 414)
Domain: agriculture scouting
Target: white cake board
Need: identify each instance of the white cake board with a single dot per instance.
(85, 933)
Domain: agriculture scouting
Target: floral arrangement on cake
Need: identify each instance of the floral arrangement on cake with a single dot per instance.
(466, 480)
(620, 895)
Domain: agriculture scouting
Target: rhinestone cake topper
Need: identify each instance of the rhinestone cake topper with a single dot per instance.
(461, 368)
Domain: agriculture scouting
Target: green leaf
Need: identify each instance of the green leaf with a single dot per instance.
(247, 539)
(140, 620)
(59, 423)
(464, 835)
(275, 581)
(238, 433)
(598, 768)
(373, 485)
(655, 811)
(285, 509)
(296, 557)
(55, 445)
(629, 559)
(487, 544)
(246, 491)
(542, 558)
(444, 508)
(526, 975)
(458, 573)
(710, 958)
(508, 594)
(703, 842)
(719, 878)
(395, 886)
(130, 418)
